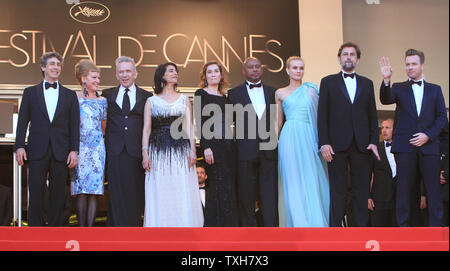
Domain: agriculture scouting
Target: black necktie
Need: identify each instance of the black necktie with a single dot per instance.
(48, 85)
(351, 75)
(254, 85)
(126, 103)
(388, 144)
(412, 82)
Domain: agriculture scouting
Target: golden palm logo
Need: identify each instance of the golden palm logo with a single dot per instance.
(89, 12)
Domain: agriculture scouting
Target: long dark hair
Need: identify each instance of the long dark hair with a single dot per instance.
(160, 83)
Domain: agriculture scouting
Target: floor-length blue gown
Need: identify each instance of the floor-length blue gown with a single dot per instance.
(302, 170)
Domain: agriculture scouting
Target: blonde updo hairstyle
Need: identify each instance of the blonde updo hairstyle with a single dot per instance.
(292, 58)
(83, 67)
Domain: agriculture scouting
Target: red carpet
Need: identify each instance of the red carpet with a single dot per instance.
(223, 239)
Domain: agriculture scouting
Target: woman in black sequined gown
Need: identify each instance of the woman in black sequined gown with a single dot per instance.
(221, 206)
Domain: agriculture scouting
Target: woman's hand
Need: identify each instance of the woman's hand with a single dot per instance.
(146, 164)
(192, 159)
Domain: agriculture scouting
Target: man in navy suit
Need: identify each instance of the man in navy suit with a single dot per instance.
(348, 134)
(419, 120)
(53, 113)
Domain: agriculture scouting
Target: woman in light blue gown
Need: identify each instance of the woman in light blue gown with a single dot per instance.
(302, 171)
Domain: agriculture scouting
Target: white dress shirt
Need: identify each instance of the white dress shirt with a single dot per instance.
(257, 98)
(418, 95)
(350, 83)
(391, 159)
(202, 196)
(131, 94)
(51, 100)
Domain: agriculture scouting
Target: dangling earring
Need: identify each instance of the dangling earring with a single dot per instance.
(85, 92)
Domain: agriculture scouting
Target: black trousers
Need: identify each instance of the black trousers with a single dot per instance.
(58, 172)
(258, 180)
(383, 214)
(359, 163)
(125, 177)
(428, 166)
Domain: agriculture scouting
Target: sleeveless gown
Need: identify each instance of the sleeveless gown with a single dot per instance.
(172, 196)
(302, 171)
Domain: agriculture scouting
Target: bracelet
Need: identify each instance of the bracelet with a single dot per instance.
(144, 148)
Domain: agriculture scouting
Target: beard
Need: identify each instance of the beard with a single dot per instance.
(348, 67)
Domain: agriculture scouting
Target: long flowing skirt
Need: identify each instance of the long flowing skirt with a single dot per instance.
(303, 177)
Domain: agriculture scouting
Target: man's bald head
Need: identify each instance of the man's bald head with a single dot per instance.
(252, 69)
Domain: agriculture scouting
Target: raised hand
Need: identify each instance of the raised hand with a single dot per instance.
(385, 67)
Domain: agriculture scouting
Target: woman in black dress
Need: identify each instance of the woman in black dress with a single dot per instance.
(217, 146)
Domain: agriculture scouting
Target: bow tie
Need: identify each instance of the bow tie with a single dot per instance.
(351, 75)
(412, 82)
(254, 85)
(202, 187)
(48, 85)
(388, 144)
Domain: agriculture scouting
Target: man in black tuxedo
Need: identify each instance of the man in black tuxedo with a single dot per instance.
(257, 155)
(383, 188)
(348, 133)
(202, 177)
(125, 173)
(420, 118)
(53, 113)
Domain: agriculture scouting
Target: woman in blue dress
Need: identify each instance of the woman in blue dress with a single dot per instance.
(88, 176)
(302, 171)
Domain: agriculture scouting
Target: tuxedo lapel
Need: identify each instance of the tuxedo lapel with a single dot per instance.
(113, 97)
(41, 100)
(358, 88)
(342, 86)
(267, 98)
(383, 156)
(426, 96)
(244, 95)
(139, 97)
(409, 92)
(60, 104)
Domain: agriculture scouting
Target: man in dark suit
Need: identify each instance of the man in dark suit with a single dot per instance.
(383, 187)
(348, 132)
(54, 116)
(125, 174)
(420, 118)
(257, 153)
